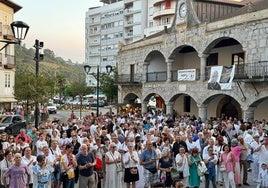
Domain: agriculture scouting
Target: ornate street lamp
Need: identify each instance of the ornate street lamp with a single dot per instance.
(19, 30)
(87, 71)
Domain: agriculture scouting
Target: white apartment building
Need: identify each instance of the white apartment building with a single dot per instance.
(117, 23)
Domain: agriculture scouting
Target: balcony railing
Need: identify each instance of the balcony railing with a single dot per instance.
(252, 71)
(248, 72)
(157, 77)
(10, 62)
(129, 79)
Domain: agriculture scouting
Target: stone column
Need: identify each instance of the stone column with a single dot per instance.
(202, 112)
(249, 113)
(203, 60)
(144, 107)
(169, 69)
(145, 71)
(169, 108)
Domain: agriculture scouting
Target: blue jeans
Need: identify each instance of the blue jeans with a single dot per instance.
(69, 183)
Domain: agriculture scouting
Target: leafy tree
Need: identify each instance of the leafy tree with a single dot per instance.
(30, 88)
(79, 89)
(108, 86)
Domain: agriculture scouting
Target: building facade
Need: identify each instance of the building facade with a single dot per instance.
(7, 59)
(175, 64)
(121, 22)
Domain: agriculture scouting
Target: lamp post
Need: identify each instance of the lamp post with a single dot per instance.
(87, 70)
(19, 30)
(38, 56)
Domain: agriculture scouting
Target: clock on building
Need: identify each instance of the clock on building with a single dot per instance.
(182, 10)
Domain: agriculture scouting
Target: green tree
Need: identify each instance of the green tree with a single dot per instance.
(108, 85)
(79, 89)
(31, 89)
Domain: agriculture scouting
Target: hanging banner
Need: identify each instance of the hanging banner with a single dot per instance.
(186, 75)
(221, 78)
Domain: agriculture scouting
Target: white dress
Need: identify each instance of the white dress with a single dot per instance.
(140, 182)
(113, 178)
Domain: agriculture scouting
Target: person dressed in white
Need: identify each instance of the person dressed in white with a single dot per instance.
(5, 164)
(40, 144)
(183, 166)
(263, 176)
(255, 165)
(29, 160)
(112, 162)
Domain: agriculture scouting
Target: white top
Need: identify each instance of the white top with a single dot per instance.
(29, 163)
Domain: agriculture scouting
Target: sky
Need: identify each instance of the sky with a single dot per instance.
(60, 24)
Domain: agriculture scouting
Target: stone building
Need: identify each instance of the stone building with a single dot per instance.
(174, 66)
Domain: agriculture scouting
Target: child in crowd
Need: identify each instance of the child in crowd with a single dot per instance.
(263, 176)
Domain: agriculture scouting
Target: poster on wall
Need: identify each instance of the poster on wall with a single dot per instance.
(221, 78)
(187, 75)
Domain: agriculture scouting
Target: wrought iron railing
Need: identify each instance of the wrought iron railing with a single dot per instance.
(129, 79)
(258, 70)
(156, 77)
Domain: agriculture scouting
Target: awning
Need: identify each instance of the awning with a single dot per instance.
(7, 99)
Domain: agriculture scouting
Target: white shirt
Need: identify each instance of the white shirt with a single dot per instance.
(26, 161)
(40, 144)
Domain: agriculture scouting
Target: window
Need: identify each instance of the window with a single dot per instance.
(151, 24)
(165, 20)
(7, 80)
(187, 104)
(168, 4)
(212, 59)
(151, 11)
(238, 58)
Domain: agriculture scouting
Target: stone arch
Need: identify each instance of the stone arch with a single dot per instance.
(221, 41)
(130, 98)
(160, 102)
(223, 104)
(152, 55)
(177, 50)
(181, 101)
(131, 104)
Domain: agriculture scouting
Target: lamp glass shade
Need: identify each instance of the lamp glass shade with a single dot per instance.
(87, 69)
(19, 29)
(109, 69)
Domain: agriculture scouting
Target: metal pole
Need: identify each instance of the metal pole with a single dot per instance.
(98, 85)
(36, 111)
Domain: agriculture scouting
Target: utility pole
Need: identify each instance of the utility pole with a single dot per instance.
(38, 56)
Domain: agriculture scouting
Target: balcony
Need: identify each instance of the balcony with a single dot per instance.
(158, 2)
(250, 72)
(10, 62)
(156, 76)
(165, 12)
(129, 79)
(7, 32)
(128, 2)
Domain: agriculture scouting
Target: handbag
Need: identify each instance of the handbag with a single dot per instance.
(202, 169)
(100, 174)
(118, 168)
(222, 168)
(63, 176)
(134, 170)
(175, 175)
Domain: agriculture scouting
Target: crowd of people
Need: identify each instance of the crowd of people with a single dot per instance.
(136, 150)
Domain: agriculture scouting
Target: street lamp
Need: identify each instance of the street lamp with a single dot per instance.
(19, 30)
(87, 70)
(109, 69)
(38, 56)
